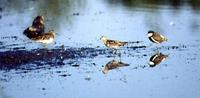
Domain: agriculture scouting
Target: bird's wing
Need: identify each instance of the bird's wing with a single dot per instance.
(158, 37)
(115, 42)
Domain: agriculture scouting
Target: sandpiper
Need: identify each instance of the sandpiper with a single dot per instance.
(113, 64)
(112, 43)
(157, 59)
(155, 37)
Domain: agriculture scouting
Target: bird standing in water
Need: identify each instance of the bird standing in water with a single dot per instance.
(155, 37)
(114, 44)
(36, 32)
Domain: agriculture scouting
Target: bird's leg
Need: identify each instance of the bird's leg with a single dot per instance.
(114, 51)
(119, 53)
(45, 46)
(157, 48)
(120, 59)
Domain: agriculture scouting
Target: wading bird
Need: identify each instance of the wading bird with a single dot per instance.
(114, 44)
(155, 37)
(36, 32)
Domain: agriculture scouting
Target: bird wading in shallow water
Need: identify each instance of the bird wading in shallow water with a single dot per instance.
(157, 59)
(114, 44)
(36, 32)
(155, 37)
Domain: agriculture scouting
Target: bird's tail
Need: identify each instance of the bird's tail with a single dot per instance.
(165, 39)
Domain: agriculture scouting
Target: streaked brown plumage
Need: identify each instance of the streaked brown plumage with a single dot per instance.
(38, 21)
(112, 43)
(113, 64)
(31, 32)
(157, 59)
(155, 37)
(36, 29)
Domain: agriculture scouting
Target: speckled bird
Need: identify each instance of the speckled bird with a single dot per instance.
(112, 43)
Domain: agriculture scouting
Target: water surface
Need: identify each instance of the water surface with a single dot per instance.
(72, 66)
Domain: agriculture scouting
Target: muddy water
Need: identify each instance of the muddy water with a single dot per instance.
(79, 65)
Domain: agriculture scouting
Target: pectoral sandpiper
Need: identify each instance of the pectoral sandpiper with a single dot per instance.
(112, 43)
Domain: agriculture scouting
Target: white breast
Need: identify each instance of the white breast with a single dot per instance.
(46, 41)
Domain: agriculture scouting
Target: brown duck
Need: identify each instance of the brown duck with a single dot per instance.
(36, 29)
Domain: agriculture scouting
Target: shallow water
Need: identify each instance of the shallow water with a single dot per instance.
(73, 65)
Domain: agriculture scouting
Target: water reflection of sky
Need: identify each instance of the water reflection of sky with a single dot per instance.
(80, 24)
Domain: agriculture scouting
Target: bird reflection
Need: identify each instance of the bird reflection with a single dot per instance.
(157, 59)
(113, 64)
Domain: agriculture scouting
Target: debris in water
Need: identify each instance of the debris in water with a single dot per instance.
(1, 9)
(75, 65)
(76, 14)
(43, 88)
(65, 75)
(88, 78)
